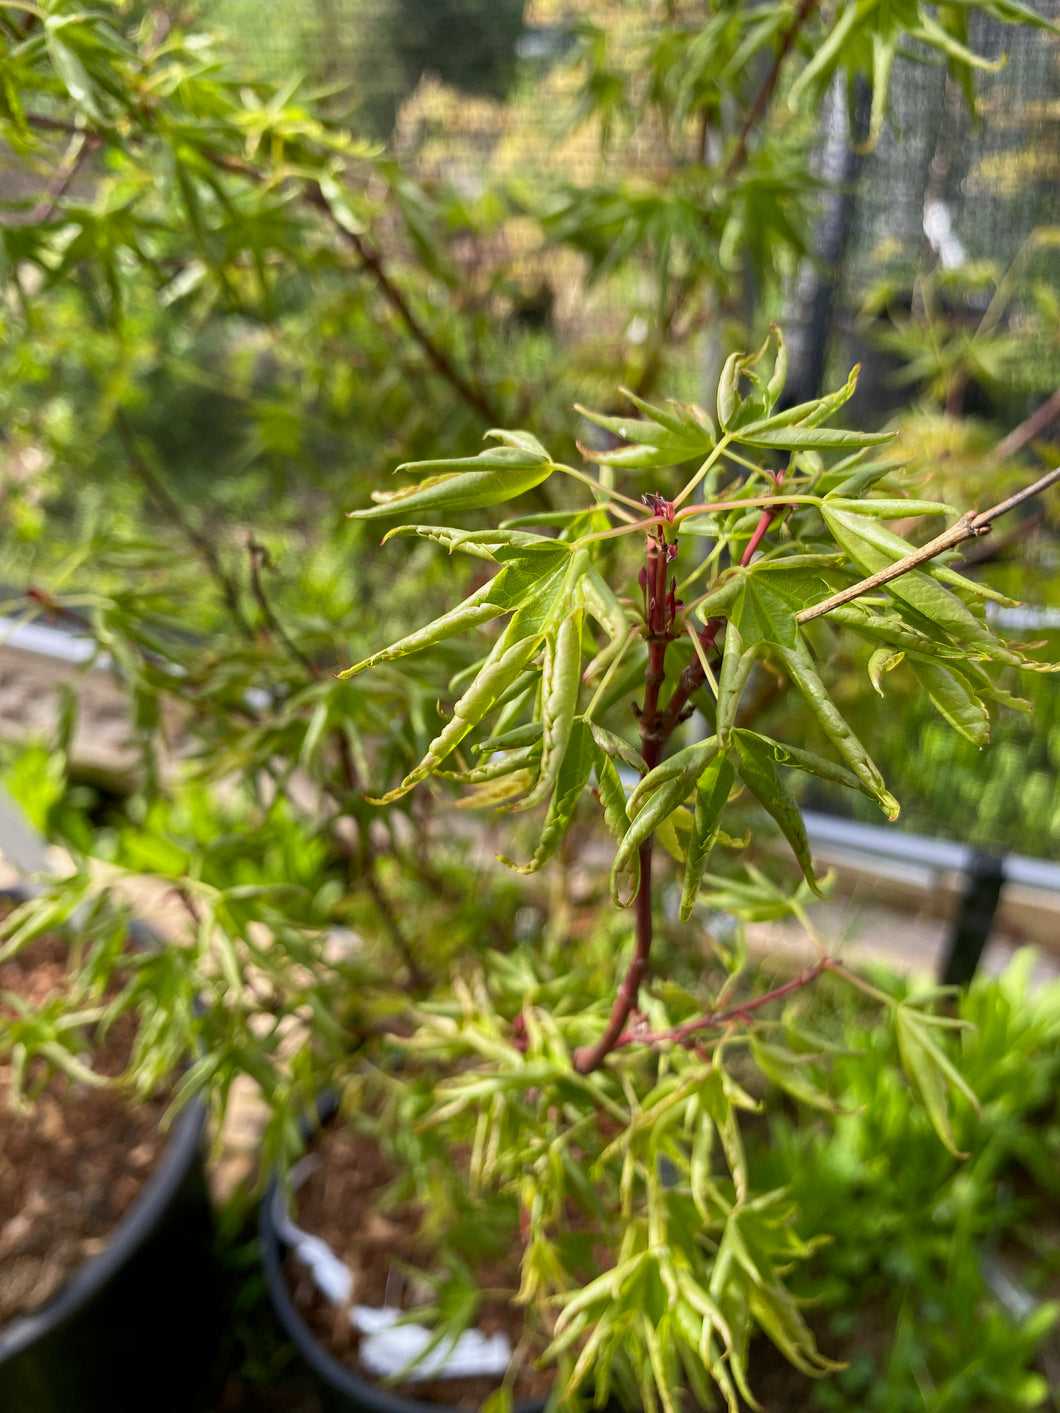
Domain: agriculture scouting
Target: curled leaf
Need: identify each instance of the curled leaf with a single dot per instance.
(656, 797)
(571, 777)
(465, 483)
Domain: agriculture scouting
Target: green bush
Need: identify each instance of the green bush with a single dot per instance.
(900, 1289)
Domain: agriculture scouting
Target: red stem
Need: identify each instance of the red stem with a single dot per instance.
(591, 1057)
(759, 535)
(656, 728)
(764, 521)
(660, 615)
(715, 1020)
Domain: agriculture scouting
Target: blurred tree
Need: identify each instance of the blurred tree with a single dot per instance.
(468, 44)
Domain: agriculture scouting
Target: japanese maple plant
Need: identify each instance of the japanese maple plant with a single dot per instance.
(595, 1088)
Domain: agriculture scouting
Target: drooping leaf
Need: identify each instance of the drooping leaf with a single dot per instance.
(519, 736)
(501, 669)
(929, 1070)
(655, 798)
(779, 1317)
(612, 797)
(537, 575)
(757, 769)
(483, 544)
(889, 629)
(618, 749)
(500, 764)
(570, 780)
(883, 659)
(798, 759)
(560, 681)
(953, 696)
(873, 547)
(736, 664)
(800, 667)
(712, 792)
(603, 606)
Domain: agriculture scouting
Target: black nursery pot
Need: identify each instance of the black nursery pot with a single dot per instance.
(340, 1389)
(135, 1328)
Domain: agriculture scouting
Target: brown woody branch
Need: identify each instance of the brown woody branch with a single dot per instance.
(765, 93)
(81, 144)
(968, 527)
(259, 560)
(1026, 431)
(197, 538)
(372, 261)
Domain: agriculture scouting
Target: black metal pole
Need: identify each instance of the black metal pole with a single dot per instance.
(983, 882)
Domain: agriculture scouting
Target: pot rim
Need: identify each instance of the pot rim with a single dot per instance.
(177, 1157)
(339, 1376)
(178, 1154)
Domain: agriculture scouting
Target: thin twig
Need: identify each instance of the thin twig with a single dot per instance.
(968, 527)
(50, 124)
(372, 260)
(591, 1057)
(81, 144)
(717, 1020)
(765, 93)
(259, 560)
(390, 918)
(1021, 435)
(201, 542)
(367, 857)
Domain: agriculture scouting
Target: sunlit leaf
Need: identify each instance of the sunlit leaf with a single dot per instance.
(465, 483)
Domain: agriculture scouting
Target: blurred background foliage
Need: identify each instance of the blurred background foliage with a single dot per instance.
(920, 1246)
(253, 258)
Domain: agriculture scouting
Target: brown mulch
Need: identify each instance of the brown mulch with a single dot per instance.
(338, 1202)
(72, 1166)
